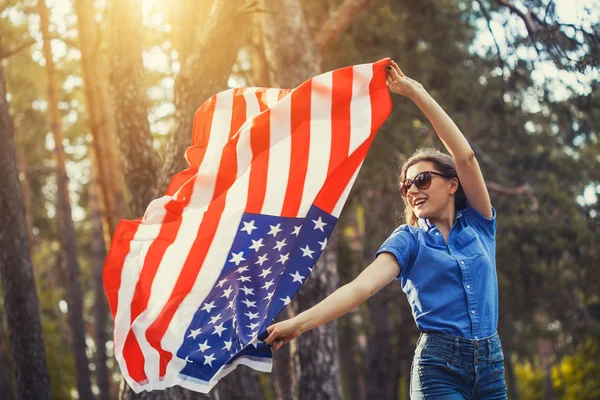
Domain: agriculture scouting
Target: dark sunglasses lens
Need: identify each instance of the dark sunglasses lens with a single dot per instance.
(423, 180)
(404, 187)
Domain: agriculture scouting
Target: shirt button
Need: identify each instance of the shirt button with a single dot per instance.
(473, 312)
(462, 262)
(468, 286)
(437, 234)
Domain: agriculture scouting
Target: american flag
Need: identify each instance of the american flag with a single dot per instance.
(194, 283)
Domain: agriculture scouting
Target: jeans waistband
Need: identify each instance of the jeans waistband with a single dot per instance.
(444, 338)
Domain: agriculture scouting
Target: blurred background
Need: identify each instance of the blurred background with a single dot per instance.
(96, 106)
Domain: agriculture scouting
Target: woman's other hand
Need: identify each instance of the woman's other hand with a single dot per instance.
(283, 332)
(402, 84)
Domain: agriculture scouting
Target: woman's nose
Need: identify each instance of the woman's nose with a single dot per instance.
(413, 189)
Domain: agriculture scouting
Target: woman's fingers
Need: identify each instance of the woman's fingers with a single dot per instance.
(273, 333)
(397, 68)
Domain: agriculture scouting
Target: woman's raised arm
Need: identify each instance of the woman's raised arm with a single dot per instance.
(467, 167)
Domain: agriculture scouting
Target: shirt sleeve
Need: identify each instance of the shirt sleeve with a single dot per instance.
(399, 244)
(480, 221)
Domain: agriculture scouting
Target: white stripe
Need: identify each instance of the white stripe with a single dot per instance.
(337, 210)
(279, 157)
(320, 140)
(176, 254)
(360, 107)
(272, 96)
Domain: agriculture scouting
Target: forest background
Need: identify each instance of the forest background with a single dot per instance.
(96, 105)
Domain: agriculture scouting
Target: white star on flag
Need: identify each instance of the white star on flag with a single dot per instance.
(307, 252)
(323, 243)
(297, 277)
(237, 258)
(279, 245)
(262, 259)
(319, 224)
(194, 333)
(249, 227)
(219, 329)
(287, 300)
(208, 306)
(256, 244)
(265, 272)
(209, 359)
(203, 346)
(274, 230)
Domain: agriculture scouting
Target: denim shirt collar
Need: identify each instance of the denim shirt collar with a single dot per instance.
(426, 224)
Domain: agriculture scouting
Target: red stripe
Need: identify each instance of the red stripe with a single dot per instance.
(340, 117)
(201, 132)
(260, 142)
(381, 106)
(238, 114)
(300, 137)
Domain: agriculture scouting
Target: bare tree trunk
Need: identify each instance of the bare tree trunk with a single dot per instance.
(16, 272)
(24, 169)
(6, 381)
(380, 360)
(98, 254)
(293, 57)
(106, 163)
(513, 389)
(140, 161)
(66, 226)
(204, 72)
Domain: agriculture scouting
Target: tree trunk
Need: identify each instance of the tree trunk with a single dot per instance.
(204, 72)
(98, 254)
(66, 226)
(23, 169)
(6, 382)
(293, 57)
(129, 101)
(380, 360)
(16, 271)
(101, 122)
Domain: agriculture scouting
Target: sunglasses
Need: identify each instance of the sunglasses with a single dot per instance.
(422, 181)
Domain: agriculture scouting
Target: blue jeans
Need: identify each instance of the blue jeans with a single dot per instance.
(447, 367)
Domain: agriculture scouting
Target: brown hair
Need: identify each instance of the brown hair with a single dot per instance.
(444, 163)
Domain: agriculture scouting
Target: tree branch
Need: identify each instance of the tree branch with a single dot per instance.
(509, 191)
(338, 22)
(16, 50)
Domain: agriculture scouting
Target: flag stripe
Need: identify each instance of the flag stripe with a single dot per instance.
(300, 143)
(279, 157)
(340, 117)
(320, 149)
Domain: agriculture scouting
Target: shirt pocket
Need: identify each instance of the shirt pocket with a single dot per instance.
(469, 242)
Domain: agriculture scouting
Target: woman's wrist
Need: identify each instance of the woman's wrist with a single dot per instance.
(420, 97)
(302, 322)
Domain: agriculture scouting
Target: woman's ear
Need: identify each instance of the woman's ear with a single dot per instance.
(454, 185)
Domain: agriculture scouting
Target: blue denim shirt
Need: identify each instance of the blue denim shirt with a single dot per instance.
(452, 288)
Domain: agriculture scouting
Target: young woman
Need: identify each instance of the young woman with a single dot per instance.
(444, 257)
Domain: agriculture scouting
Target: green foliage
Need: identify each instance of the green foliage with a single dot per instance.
(576, 376)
